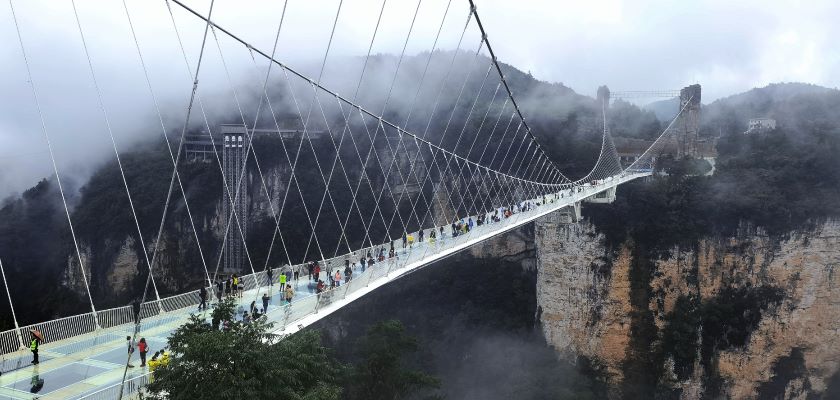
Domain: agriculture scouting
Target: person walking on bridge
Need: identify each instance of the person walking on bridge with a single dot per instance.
(235, 286)
(290, 294)
(202, 296)
(240, 285)
(348, 272)
(265, 300)
(143, 348)
(220, 290)
(130, 344)
(34, 343)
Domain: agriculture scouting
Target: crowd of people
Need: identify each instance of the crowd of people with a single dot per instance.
(234, 287)
(322, 276)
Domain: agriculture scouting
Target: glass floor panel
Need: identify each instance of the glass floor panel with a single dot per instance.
(58, 378)
(87, 343)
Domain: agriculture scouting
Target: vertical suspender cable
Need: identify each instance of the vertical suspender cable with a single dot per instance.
(504, 82)
(54, 165)
(14, 317)
(175, 159)
(183, 133)
(197, 98)
(114, 144)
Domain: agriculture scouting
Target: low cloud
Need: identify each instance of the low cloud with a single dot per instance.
(644, 45)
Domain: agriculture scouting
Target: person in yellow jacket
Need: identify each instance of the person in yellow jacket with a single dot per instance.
(159, 359)
(237, 289)
(34, 343)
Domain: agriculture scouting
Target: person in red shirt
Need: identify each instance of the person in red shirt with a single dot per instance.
(143, 348)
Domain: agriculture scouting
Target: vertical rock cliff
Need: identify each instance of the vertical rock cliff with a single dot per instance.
(745, 316)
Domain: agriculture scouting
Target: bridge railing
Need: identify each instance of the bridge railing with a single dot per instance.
(9, 343)
(180, 301)
(62, 328)
(132, 385)
(115, 316)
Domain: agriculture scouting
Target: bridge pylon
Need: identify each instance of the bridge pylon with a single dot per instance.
(689, 123)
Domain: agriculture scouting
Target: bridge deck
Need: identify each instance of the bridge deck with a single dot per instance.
(90, 366)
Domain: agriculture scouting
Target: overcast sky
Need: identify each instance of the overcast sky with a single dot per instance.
(726, 46)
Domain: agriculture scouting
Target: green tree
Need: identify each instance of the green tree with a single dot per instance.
(381, 372)
(244, 362)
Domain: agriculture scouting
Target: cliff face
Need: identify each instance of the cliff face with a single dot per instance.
(583, 294)
(114, 260)
(117, 268)
(783, 342)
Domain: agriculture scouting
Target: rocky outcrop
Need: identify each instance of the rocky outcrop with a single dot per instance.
(72, 276)
(124, 268)
(516, 246)
(791, 352)
(276, 180)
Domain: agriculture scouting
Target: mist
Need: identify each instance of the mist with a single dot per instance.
(578, 57)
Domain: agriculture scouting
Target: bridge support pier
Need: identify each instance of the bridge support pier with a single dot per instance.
(605, 197)
(570, 214)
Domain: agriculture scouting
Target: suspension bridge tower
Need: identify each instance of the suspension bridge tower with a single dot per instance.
(235, 203)
(603, 95)
(689, 122)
